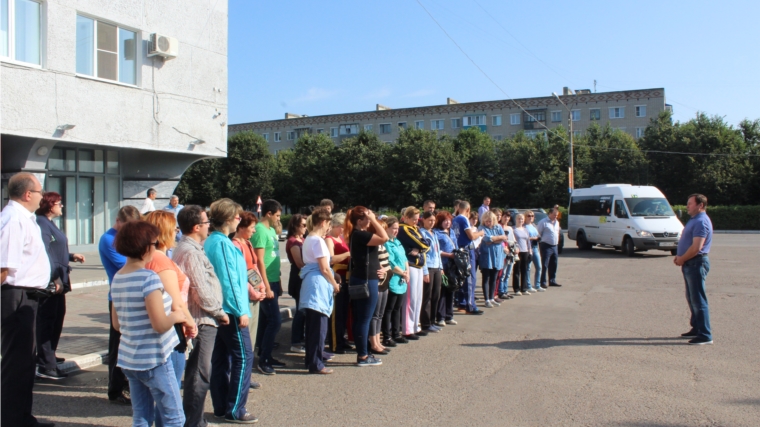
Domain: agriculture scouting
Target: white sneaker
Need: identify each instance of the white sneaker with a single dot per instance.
(488, 304)
(526, 293)
(496, 304)
(451, 322)
(518, 293)
(298, 349)
(540, 289)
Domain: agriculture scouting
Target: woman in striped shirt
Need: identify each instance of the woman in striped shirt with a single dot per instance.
(143, 314)
(375, 326)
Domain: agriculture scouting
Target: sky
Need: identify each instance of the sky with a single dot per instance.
(331, 57)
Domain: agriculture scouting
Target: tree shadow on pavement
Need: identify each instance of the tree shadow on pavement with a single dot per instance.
(605, 253)
(755, 402)
(104, 318)
(549, 343)
(651, 424)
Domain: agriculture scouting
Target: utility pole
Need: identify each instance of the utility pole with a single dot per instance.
(570, 177)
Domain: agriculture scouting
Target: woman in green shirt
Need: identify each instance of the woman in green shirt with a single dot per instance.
(397, 287)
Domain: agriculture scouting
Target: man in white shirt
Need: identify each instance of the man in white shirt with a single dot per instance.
(174, 206)
(25, 268)
(148, 202)
(485, 207)
(549, 231)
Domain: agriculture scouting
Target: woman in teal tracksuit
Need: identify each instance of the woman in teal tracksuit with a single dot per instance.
(232, 359)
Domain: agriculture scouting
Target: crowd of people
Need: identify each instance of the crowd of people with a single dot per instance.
(194, 292)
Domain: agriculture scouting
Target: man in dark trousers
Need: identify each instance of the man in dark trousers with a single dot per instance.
(691, 256)
(25, 271)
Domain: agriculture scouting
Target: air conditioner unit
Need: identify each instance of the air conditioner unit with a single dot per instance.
(161, 45)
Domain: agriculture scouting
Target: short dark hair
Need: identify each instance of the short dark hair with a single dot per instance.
(246, 219)
(427, 214)
(128, 213)
(327, 203)
(701, 199)
(427, 202)
(134, 239)
(19, 184)
(294, 223)
(270, 206)
(189, 217)
(152, 191)
(49, 199)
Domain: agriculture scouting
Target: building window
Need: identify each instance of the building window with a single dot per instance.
(368, 128)
(436, 125)
(617, 112)
(385, 128)
(419, 124)
(498, 137)
(20, 29)
(456, 123)
(266, 137)
(576, 133)
(641, 111)
(334, 132)
(556, 116)
(106, 51)
(402, 125)
(291, 135)
(277, 137)
(349, 129)
(478, 120)
(320, 130)
(514, 119)
(595, 114)
(576, 115)
(535, 116)
(496, 120)
(639, 132)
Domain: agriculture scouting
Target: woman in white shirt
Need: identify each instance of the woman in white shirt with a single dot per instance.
(317, 289)
(520, 275)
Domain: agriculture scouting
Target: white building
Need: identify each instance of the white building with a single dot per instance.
(87, 108)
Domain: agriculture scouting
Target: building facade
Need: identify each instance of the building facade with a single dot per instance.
(627, 110)
(103, 100)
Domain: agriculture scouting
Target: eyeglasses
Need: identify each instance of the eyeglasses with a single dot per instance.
(58, 203)
(528, 216)
(204, 222)
(42, 193)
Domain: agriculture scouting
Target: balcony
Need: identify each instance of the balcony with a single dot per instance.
(534, 125)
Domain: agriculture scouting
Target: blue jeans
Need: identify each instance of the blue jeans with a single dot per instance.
(157, 385)
(536, 263)
(694, 273)
(506, 273)
(550, 257)
(178, 365)
(269, 324)
(362, 311)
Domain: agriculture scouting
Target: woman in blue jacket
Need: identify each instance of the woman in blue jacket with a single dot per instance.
(232, 359)
(491, 259)
(397, 286)
(446, 238)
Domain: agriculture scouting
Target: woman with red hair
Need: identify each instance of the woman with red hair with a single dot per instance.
(53, 308)
(364, 235)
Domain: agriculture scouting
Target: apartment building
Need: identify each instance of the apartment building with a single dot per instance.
(103, 100)
(628, 110)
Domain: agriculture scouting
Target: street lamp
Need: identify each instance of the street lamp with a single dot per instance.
(570, 120)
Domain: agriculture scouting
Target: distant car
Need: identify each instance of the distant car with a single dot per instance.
(540, 214)
(283, 236)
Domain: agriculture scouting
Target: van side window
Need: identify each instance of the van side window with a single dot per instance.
(620, 209)
(591, 205)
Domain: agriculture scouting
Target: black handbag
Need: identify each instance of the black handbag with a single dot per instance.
(361, 290)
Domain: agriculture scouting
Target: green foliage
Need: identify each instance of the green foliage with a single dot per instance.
(727, 217)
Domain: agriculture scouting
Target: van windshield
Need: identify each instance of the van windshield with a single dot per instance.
(649, 207)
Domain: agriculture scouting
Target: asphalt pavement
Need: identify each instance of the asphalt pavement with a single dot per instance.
(603, 350)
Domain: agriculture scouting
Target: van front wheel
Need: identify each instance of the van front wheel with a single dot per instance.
(628, 247)
(583, 244)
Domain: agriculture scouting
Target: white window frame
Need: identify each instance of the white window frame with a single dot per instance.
(557, 112)
(419, 124)
(496, 118)
(11, 58)
(333, 132)
(575, 115)
(368, 128)
(456, 122)
(138, 52)
(591, 115)
(621, 110)
(640, 132)
(638, 109)
(277, 137)
(436, 124)
(320, 130)
(266, 136)
(390, 128)
(474, 120)
(514, 119)
(291, 135)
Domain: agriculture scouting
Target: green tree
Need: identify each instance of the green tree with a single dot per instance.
(314, 169)
(476, 150)
(614, 157)
(199, 185)
(360, 171)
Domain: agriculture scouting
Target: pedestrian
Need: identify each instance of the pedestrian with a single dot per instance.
(147, 329)
(549, 230)
(416, 247)
(25, 270)
(692, 257)
(174, 206)
(256, 292)
(148, 205)
(317, 290)
(339, 260)
(327, 204)
(535, 255)
(485, 207)
(294, 249)
(267, 247)
(232, 357)
(465, 237)
(428, 206)
(432, 279)
(118, 387)
(364, 234)
(205, 304)
(520, 275)
(510, 253)
(174, 282)
(392, 333)
(376, 324)
(491, 258)
(447, 244)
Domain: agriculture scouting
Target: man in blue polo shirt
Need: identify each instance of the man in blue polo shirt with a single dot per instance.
(465, 234)
(692, 258)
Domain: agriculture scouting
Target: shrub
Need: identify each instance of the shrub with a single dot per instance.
(727, 217)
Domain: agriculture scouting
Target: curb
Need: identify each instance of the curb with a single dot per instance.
(101, 358)
(736, 231)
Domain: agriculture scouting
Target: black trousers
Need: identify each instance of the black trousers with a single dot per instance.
(316, 330)
(489, 282)
(50, 314)
(431, 293)
(339, 317)
(520, 273)
(19, 316)
(198, 376)
(392, 315)
(117, 382)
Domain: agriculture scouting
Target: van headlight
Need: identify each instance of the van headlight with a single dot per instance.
(642, 233)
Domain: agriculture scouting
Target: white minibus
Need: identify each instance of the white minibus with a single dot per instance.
(627, 217)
